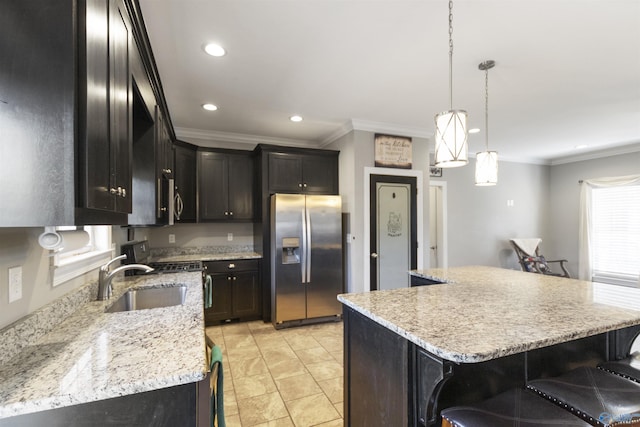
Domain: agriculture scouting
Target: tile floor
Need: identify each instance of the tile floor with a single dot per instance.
(278, 378)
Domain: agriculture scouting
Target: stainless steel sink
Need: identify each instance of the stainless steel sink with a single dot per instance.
(140, 299)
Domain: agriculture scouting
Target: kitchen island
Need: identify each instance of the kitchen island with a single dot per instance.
(411, 352)
(141, 367)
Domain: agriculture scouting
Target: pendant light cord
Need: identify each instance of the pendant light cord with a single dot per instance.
(450, 54)
(486, 107)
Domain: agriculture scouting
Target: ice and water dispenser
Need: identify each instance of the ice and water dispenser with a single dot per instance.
(290, 250)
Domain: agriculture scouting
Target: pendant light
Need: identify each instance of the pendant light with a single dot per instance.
(451, 126)
(486, 161)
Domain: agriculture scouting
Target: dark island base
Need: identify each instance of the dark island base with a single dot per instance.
(389, 381)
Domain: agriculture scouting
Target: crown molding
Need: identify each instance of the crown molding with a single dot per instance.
(390, 128)
(238, 138)
(607, 152)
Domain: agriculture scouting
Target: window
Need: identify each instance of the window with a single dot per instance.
(613, 220)
(83, 257)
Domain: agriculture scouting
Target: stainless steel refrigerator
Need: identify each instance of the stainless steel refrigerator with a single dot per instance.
(306, 258)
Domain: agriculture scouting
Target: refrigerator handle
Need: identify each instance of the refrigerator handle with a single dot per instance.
(308, 246)
(303, 255)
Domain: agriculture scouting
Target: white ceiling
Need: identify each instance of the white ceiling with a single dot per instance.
(567, 71)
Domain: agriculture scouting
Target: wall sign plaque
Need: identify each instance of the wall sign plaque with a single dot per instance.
(392, 151)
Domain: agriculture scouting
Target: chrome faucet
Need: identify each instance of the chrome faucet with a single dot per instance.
(105, 289)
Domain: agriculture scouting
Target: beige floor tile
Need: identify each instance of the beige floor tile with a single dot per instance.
(325, 370)
(338, 357)
(230, 404)
(333, 388)
(244, 353)
(284, 368)
(311, 410)
(259, 325)
(232, 420)
(301, 342)
(270, 340)
(254, 386)
(314, 355)
(239, 341)
(332, 344)
(291, 388)
(247, 367)
(235, 329)
(340, 408)
(335, 423)
(276, 354)
(282, 422)
(261, 409)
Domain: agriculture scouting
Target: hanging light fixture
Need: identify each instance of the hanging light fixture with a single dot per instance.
(486, 161)
(451, 126)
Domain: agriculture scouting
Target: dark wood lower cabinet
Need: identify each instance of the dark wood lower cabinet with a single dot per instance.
(184, 405)
(389, 381)
(236, 291)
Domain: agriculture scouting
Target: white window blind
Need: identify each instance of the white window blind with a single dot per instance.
(616, 234)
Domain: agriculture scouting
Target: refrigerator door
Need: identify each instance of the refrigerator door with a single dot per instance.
(324, 272)
(288, 297)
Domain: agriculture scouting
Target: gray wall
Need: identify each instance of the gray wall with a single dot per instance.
(480, 223)
(19, 247)
(564, 199)
(356, 154)
(198, 235)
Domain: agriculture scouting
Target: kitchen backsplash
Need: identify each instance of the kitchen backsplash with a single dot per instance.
(198, 250)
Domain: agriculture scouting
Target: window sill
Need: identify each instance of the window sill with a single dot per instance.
(67, 269)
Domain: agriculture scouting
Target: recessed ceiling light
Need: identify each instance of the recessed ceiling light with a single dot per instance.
(214, 49)
(474, 130)
(209, 107)
(295, 118)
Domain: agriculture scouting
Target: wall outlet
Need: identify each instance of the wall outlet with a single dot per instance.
(229, 237)
(510, 203)
(15, 284)
(172, 238)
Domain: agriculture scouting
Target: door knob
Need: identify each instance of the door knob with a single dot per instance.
(374, 255)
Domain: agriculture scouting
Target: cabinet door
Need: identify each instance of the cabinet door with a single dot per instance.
(213, 187)
(245, 294)
(164, 166)
(320, 174)
(185, 176)
(220, 297)
(240, 187)
(120, 100)
(285, 173)
(95, 152)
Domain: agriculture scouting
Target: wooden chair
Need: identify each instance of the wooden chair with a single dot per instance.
(530, 259)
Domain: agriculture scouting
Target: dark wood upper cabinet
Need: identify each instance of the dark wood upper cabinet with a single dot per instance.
(225, 185)
(105, 108)
(185, 181)
(303, 173)
(65, 113)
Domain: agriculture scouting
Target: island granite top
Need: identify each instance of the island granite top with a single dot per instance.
(483, 313)
(93, 355)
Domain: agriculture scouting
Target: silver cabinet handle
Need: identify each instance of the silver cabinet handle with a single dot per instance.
(300, 185)
(374, 255)
(232, 266)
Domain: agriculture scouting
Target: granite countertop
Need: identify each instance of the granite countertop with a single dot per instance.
(93, 355)
(207, 257)
(482, 313)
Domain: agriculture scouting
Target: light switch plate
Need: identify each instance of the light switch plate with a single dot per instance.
(15, 284)
(230, 237)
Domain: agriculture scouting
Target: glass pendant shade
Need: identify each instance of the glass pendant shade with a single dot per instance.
(487, 168)
(451, 139)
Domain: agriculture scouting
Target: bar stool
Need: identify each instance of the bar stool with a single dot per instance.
(628, 368)
(598, 397)
(514, 407)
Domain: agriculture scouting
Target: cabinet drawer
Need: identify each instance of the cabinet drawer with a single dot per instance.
(230, 266)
